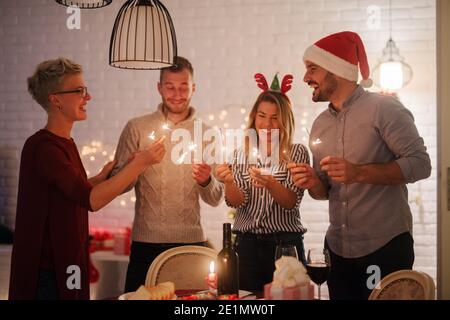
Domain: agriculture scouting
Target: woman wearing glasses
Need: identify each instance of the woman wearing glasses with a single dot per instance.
(51, 241)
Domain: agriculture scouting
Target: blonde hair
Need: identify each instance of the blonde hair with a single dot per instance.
(285, 116)
(48, 77)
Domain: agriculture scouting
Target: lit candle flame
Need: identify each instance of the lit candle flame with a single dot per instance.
(211, 267)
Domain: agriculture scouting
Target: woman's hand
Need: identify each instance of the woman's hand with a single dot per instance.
(224, 174)
(261, 180)
(151, 155)
(107, 168)
(103, 174)
(303, 175)
(201, 173)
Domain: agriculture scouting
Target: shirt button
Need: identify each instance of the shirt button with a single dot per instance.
(344, 203)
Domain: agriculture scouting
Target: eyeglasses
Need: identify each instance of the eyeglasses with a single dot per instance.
(82, 91)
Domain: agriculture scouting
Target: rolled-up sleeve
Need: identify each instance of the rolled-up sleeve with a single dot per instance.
(396, 125)
(242, 180)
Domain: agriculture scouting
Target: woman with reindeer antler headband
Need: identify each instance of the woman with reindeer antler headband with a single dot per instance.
(263, 192)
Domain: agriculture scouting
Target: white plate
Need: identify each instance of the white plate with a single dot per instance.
(127, 295)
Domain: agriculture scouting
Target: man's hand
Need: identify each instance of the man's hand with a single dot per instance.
(201, 173)
(261, 180)
(303, 175)
(340, 170)
(223, 173)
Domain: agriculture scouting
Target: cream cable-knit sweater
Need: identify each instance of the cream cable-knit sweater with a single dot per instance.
(167, 206)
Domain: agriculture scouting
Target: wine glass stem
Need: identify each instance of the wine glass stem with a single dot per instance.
(319, 291)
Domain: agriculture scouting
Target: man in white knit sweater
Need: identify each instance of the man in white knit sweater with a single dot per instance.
(167, 212)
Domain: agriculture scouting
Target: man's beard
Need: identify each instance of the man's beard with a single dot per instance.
(329, 87)
(176, 110)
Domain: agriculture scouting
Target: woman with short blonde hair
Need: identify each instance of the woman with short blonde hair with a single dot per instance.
(51, 240)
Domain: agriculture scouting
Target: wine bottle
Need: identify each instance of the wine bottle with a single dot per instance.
(227, 266)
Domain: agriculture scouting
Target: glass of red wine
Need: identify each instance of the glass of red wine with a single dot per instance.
(318, 266)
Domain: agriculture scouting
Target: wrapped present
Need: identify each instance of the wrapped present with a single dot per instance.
(290, 281)
(301, 292)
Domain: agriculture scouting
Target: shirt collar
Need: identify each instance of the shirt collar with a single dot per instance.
(356, 94)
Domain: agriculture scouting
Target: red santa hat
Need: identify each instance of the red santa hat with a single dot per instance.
(340, 54)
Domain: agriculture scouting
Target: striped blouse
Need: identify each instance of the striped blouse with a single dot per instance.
(259, 213)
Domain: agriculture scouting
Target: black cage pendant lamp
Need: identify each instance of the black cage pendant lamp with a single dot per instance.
(85, 4)
(143, 37)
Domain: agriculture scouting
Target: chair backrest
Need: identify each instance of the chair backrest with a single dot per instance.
(405, 285)
(185, 266)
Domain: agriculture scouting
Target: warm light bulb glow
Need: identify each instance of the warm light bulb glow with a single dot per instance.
(391, 75)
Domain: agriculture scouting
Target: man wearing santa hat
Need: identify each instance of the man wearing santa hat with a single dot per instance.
(365, 148)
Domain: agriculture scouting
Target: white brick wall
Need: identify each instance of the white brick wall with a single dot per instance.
(227, 41)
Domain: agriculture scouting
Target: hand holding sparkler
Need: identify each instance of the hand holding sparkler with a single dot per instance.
(261, 178)
(340, 170)
(303, 175)
(224, 174)
(201, 173)
(153, 154)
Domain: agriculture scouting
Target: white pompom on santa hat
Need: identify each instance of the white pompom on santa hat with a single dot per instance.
(340, 53)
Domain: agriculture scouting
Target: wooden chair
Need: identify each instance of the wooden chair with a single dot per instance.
(186, 266)
(405, 285)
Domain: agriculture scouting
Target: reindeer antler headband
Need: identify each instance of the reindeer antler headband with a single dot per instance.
(286, 83)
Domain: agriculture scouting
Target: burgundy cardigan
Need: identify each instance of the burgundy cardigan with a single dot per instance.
(51, 229)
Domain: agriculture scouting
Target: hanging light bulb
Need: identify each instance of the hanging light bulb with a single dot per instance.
(391, 72)
(85, 4)
(143, 37)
